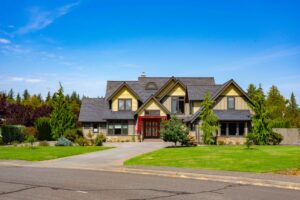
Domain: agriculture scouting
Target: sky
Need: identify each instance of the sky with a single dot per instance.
(82, 44)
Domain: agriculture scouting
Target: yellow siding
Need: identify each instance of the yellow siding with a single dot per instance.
(124, 94)
(240, 104)
(231, 91)
(177, 91)
(196, 106)
(166, 88)
(152, 105)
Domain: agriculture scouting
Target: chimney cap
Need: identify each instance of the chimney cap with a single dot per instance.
(143, 75)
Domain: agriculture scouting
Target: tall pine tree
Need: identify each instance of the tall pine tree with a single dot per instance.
(62, 117)
(251, 90)
(208, 120)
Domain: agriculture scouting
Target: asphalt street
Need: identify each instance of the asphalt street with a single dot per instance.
(43, 183)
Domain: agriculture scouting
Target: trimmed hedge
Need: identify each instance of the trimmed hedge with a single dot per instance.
(12, 133)
(43, 128)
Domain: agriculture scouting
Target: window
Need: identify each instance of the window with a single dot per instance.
(241, 129)
(151, 86)
(118, 127)
(124, 104)
(86, 125)
(177, 106)
(231, 103)
(152, 112)
(95, 128)
(102, 125)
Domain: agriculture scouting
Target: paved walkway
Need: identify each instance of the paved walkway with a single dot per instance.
(103, 159)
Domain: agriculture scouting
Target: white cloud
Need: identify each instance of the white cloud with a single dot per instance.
(4, 41)
(27, 80)
(40, 19)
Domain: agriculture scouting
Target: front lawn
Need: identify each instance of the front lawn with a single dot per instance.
(232, 158)
(44, 153)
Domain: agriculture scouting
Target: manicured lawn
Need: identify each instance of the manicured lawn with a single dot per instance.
(44, 153)
(232, 158)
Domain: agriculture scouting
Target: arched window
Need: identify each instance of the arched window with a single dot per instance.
(151, 86)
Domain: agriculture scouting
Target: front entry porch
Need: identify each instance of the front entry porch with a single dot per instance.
(149, 126)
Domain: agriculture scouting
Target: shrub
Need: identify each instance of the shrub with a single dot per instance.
(1, 141)
(175, 131)
(100, 139)
(275, 138)
(43, 144)
(30, 131)
(43, 128)
(221, 142)
(71, 134)
(13, 133)
(62, 141)
(81, 141)
(250, 140)
(191, 140)
(30, 139)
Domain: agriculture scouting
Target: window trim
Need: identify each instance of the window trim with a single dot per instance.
(177, 106)
(125, 107)
(228, 97)
(117, 122)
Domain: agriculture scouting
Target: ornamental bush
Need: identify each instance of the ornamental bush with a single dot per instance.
(12, 133)
(43, 128)
(100, 139)
(175, 131)
(81, 141)
(62, 141)
(30, 131)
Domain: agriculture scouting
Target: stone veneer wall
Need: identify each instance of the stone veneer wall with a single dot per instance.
(291, 136)
(231, 140)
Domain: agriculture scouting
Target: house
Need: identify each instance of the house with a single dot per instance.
(133, 110)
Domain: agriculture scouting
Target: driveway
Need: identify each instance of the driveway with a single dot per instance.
(103, 159)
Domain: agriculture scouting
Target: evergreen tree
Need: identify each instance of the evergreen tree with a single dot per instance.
(48, 98)
(251, 90)
(62, 117)
(26, 96)
(276, 105)
(10, 96)
(209, 121)
(261, 119)
(18, 99)
(293, 112)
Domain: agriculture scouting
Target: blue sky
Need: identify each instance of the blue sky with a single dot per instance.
(84, 43)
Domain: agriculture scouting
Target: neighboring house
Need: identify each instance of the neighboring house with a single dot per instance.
(133, 110)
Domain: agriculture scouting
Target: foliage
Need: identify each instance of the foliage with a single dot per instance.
(1, 140)
(81, 141)
(30, 139)
(73, 134)
(43, 128)
(100, 139)
(293, 112)
(174, 130)
(191, 141)
(250, 140)
(251, 90)
(62, 117)
(62, 141)
(30, 131)
(43, 143)
(11, 133)
(209, 121)
(275, 138)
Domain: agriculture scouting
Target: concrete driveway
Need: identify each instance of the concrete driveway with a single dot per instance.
(103, 159)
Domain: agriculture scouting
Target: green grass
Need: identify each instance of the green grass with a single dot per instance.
(44, 153)
(231, 158)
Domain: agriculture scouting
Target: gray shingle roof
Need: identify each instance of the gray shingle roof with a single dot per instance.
(197, 92)
(233, 115)
(97, 110)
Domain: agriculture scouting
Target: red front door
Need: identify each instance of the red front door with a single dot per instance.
(151, 128)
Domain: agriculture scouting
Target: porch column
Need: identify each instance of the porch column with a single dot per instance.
(237, 129)
(219, 131)
(227, 129)
(246, 128)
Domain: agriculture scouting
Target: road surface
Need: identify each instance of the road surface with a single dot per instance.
(28, 183)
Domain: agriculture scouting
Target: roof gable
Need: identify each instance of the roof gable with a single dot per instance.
(152, 99)
(122, 86)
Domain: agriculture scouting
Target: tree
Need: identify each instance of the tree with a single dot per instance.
(48, 98)
(10, 96)
(18, 99)
(208, 120)
(276, 105)
(293, 112)
(62, 117)
(251, 90)
(26, 96)
(174, 130)
(3, 105)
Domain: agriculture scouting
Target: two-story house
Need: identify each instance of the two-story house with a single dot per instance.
(133, 110)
